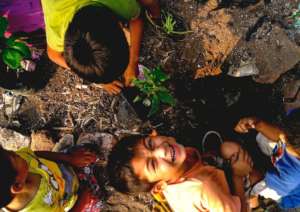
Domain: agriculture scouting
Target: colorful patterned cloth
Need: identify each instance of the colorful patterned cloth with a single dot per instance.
(58, 187)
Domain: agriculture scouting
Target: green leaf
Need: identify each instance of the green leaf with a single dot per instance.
(3, 26)
(19, 46)
(137, 99)
(154, 105)
(159, 75)
(9, 41)
(12, 58)
(166, 98)
(147, 74)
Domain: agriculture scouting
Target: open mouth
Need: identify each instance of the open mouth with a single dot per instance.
(172, 153)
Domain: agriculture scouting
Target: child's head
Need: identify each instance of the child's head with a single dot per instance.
(138, 163)
(95, 46)
(14, 171)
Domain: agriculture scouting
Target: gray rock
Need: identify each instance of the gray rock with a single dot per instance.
(274, 58)
(12, 140)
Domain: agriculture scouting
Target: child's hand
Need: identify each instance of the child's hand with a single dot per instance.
(245, 124)
(129, 75)
(241, 163)
(81, 158)
(114, 87)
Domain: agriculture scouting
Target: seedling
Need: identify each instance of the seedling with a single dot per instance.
(153, 91)
(12, 51)
(168, 24)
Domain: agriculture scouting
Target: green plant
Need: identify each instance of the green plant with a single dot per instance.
(12, 51)
(168, 23)
(153, 91)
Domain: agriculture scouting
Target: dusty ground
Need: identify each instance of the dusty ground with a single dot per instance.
(224, 39)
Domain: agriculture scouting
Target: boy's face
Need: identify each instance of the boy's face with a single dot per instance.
(158, 158)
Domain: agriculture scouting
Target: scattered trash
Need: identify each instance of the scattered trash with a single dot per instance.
(11, 103)
(248, 69)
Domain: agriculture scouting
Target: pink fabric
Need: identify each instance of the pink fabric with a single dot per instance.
(23, 15)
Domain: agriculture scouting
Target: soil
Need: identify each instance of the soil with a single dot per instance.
(225, 36)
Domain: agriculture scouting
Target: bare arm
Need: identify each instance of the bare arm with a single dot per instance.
(57, 57)
(53, 156)
(271, 131)
(78, 158)
(136, 33)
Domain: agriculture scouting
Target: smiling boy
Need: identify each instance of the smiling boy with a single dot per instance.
(166, 168)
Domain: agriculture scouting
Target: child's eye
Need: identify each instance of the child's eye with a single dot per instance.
(153, 165)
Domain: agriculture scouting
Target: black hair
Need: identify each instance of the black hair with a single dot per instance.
(7, 178)
(95, 46)
(120, 171)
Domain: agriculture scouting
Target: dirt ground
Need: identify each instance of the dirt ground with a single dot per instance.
(225, 37)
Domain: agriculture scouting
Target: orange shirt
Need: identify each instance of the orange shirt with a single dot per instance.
(202, 188)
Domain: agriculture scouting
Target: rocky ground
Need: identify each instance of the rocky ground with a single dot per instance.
(227, 39)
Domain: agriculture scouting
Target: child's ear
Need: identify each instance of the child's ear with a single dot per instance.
(159, 187)
(16, 188)
(153, 133)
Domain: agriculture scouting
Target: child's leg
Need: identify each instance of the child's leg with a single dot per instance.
(152, 6)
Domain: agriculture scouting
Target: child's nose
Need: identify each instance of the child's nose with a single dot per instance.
(159, 152)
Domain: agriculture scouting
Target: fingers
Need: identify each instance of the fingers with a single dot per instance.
(118, 83)
(113, 88)
(245, 124)
(128, 82)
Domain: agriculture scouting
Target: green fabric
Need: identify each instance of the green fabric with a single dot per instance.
(52, 195)
(59, 13)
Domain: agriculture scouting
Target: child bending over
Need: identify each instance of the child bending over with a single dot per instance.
(169, 170)
(86, 36)
(281, 183)
(42, 181)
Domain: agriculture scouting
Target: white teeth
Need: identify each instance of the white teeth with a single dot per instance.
(172, 153)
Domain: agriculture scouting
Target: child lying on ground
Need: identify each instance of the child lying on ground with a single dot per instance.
(167, 169)
(280, 183)
(42, 181)
(86, 36)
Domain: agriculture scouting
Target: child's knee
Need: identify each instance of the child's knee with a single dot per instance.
(228, 149)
